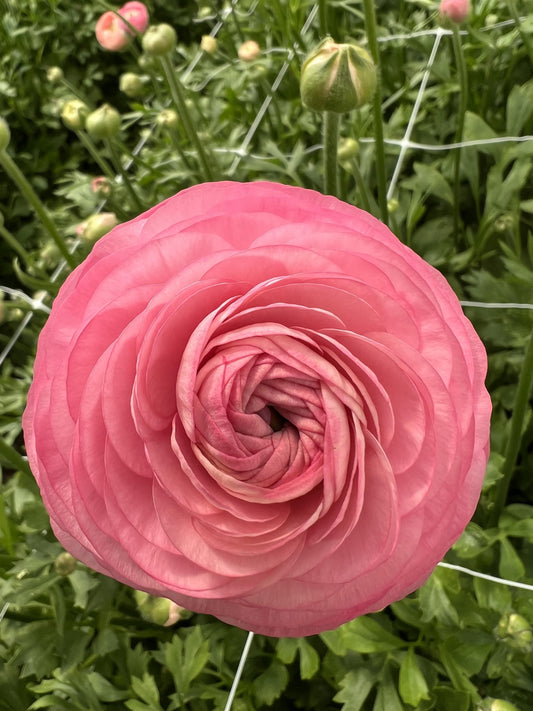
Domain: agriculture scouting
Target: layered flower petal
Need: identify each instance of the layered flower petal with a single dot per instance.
(255, 401)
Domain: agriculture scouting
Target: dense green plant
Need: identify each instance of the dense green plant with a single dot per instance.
(72, 639)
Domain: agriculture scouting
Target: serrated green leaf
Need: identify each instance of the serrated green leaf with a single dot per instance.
(412, 683)
(104, 690)
(196, 655)
(355, 687)
(469, 649)
(146, 689)
(387, 698)
(269, 685)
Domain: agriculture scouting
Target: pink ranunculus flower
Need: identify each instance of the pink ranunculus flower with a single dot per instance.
(113, 33)
(455, 10)
(255, 401)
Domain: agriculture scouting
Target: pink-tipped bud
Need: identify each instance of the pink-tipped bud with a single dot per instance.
(454, 10)
(101, 186)
(136, 14)
(249, 50)
(113, 33)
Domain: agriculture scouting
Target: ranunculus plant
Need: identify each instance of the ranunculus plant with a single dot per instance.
(255, 401)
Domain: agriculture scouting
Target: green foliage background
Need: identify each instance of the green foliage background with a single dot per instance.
(72, 639)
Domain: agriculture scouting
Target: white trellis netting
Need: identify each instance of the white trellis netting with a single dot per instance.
(405, 144)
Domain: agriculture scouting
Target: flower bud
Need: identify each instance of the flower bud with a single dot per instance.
(65, 564)
(74, 114)
(501, 705)
(54, 74)
(209, 44)
(348, 148)
(113, 33)
(158, 610)
(249, 50)
(101, 186)
(516, 630)
(392, 205)
(337, 77)
(136, 14)
(168, 118)
(97, 226)
(159, 40)
(131, 84)
(455, 11)
(5, 134)
(104, 122)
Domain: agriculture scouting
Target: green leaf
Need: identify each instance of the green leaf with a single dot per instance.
(469, 649)
(104, 690)
(519, 108)
(412, 683)
(309, 659)
(436, 604)
(387, 698)
(511, 567)
(355, 687)
(269, 685)
(286, 649)
(457, 674)
(366, 636)
(451, 699)
(429, 181)
(146, 689)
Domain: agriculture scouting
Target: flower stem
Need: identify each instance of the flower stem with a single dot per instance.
(95, 155)
(515, 434)
(11, 455)
(120, 169)
(31, 196)
(323, 17)
(178, 97)
(15, 246)
(370, 25)
(331, 138)
(463, 94)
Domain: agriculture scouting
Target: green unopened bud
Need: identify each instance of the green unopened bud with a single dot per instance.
(348, 148)
(516, 630)
(392, 205)
(337, 77)
(159, 40)
(168, 118)
(104, 122)
(501, 705)
(158, 610)
(74, 114)
(5, 134)
(97, 226)
(54, 74)
(65, 564)
(131, 84)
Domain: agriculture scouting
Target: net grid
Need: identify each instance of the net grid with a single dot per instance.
(404, 144)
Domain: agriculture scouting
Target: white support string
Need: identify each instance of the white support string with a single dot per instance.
(239, 671)
(412, 119)
(484, 576)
